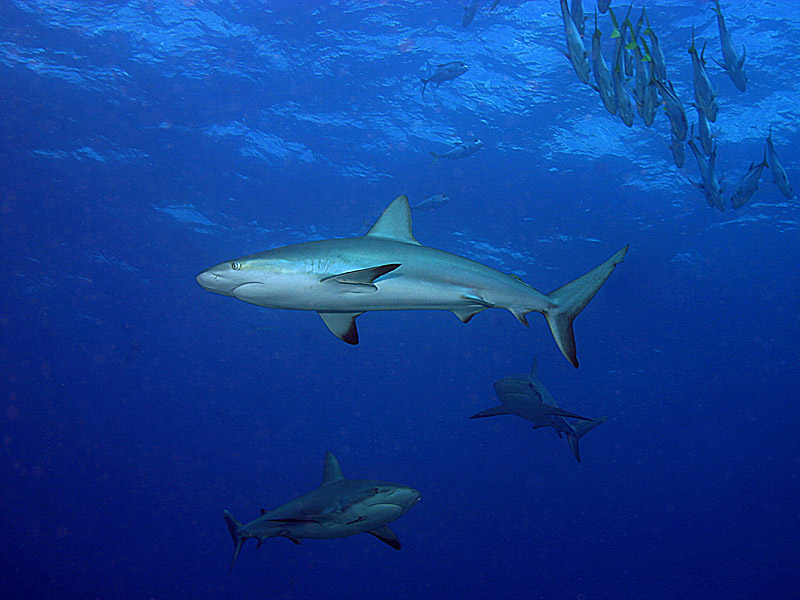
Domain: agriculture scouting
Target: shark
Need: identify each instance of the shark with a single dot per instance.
(526, 397)
(338, 508)
(388, 269)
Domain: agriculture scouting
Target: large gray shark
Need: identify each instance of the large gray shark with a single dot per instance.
(526, 397)
(338, 508)
(387, 269)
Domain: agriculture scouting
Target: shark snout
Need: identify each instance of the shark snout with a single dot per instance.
(210, 281)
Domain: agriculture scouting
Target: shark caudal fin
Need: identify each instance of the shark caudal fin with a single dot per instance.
(582, 429)
(571, 299)
(238, 539)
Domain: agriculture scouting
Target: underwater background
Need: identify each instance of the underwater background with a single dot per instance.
(142, 142)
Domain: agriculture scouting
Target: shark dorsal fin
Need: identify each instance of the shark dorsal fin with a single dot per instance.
(331, 471)
(394, 223)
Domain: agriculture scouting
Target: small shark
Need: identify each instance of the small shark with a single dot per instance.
(445, 72)
(526, 397)
(387, 269)
(338, 508)
(460, 150)
(776, 168)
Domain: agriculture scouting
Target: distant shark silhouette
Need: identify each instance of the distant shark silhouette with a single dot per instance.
(526, 397)
(339, 507)
(387, 269)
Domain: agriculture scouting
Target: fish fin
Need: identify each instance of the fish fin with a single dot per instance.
(492, 412)
(395, 222)
(424, 85)
(535, 367)
(744, 55)
(236, 533)
(331, 472)
(570, 299)
(560, 412)
(520, 315)
(309, 519)
(435, 157)
(580, 430)
(342, 325)
(361, 281)
(387, 536)
(720, 65)
(465, 314)
(294, 540)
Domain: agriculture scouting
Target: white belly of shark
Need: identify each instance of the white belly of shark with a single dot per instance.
(388, 269)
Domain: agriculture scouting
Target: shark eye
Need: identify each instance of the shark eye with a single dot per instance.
(235, 266)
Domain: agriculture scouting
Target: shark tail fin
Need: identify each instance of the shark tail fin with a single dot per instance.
(236, 533)
(435, 157)
(570, 299)
(582, 429)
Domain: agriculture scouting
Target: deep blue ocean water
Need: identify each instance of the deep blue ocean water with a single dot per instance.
(142, 142)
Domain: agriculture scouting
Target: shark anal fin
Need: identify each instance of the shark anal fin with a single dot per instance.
(342, 325)
(361, 281)
(492, 412)
(387, 536)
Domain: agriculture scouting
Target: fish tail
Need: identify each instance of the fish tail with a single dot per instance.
(581, 429)
(570, 299)
(236, 533)
(435, 157)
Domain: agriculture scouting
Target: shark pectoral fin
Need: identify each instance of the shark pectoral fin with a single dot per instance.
(387, 536)
(361, 281)
(310, 519)
(492, 412)
(294, 540)
(342, 325)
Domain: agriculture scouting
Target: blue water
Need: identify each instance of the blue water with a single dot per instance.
(142, 142)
